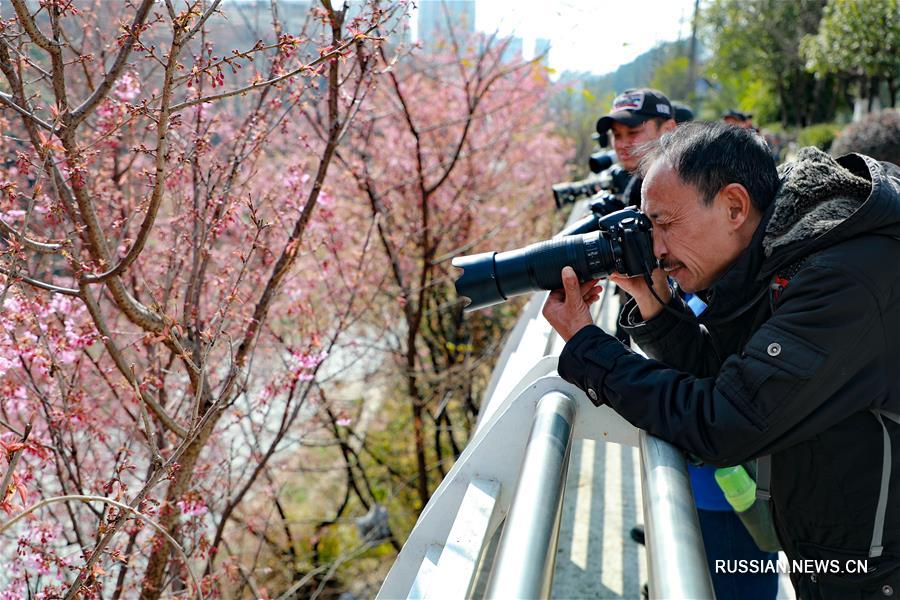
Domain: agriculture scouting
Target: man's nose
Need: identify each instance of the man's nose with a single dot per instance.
(659, 245)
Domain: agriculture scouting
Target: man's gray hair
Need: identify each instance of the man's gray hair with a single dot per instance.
(710, 156)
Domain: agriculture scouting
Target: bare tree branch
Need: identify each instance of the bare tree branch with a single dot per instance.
(13, 460)
(40, 284)
(203, 18)
(124, 368)
(115, 70)
(162, 126)
(31, 27)
(42, 247)
(7, 99)
(262, 84)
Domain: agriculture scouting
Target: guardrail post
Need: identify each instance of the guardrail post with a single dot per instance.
(527, 554)
(677, 560)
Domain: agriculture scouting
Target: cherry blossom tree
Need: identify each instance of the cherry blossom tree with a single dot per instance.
(454, 153)
(163, 232)
(225, 243)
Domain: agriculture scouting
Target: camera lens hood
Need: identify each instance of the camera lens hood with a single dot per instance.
(478, 283)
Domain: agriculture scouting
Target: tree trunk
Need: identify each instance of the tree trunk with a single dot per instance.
(438, 452)
(846, 91)
(782, 101)
(419, 437)
(859, 103)
(800, 100)
(151, 586)
(873, 92)
(819, 100)
(835, 86)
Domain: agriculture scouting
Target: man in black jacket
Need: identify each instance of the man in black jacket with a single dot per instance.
(796, 356)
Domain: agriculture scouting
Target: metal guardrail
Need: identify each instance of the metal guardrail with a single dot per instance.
(526, 558)
(676, 557)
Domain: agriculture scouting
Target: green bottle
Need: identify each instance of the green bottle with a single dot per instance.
(738, 487)
(740, 491)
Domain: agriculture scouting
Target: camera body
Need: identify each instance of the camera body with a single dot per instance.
(619, 242)
(602, 205)
(614, 179)
(629, 233)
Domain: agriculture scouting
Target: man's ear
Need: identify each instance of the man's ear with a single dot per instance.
(737, 203)
(667, 126)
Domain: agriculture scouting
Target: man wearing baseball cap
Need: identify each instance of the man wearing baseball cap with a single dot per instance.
(638, 116)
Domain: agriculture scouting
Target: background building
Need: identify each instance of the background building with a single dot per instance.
(542, 47)
(435, 15)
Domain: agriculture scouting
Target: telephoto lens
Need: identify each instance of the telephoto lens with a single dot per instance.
(492, 277)
(621, 245)
(570, 192)
(601, 161)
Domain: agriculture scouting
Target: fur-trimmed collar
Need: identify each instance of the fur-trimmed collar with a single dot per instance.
(816, 195)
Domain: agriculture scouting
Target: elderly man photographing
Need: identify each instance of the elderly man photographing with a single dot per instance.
(796, 356)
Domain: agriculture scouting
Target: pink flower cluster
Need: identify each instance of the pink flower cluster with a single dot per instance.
(301, 367)
(192, 506)
(41, 333)
(128, 87)
(302, 364)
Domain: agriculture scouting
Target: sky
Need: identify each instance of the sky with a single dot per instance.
(587, 35)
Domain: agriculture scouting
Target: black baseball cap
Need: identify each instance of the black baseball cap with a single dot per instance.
(635, 106)
(736, 114)
(683, 113)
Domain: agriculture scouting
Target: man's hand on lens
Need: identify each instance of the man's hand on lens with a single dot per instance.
(637, 287)
(568, 309)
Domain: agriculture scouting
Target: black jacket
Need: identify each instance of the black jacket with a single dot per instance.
(631, 196)
(793, 373)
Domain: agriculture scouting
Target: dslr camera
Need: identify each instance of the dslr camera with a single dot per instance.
(596, 246)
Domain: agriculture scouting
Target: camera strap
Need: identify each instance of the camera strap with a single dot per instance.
(763, 477)
(693, 319)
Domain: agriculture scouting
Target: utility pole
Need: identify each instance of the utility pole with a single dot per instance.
(692, 53)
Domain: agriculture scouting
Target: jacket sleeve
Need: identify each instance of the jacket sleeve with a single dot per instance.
(681, 344)
(798, 375)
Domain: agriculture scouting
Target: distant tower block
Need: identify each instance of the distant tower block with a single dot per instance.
(542, 48)
(513, 50)
(434, 16)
